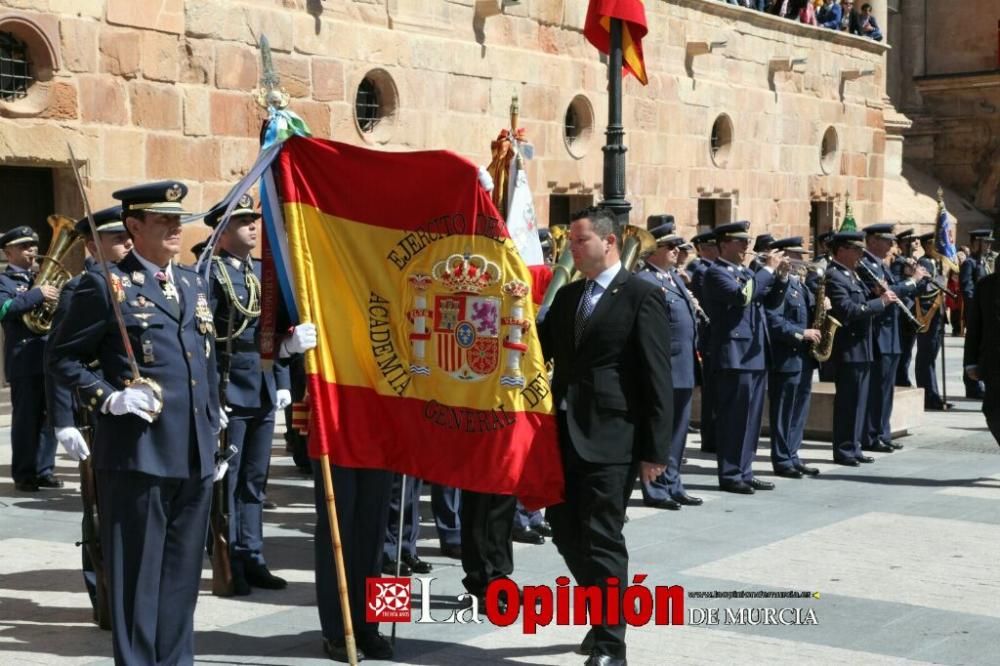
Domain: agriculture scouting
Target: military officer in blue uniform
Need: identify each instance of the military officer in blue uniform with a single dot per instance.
(33, 446)
(886, 340)
(929, 298)
(903, 266)
(708, 251)
(156, 436)
(253, 392)
(972, 270)
(667, 491)
(64, 413)
(446, 505)
(791, 336)
(852, 305)
(735, 299)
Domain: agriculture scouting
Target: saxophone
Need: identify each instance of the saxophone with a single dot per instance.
(826, 324)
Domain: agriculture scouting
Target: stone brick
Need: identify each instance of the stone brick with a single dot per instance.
(103, 100)
(235, 67)
(197, 111)
(160, 15)
(155, 106)
(237, 156)
(294, 74)
(468, 93)
(170, 156)
(79, 44)
(316, 115)
(123, 155)
(197, 61)
(327, 79)
(234, 114)
(63, 103)
(120, 51)
(160, 57)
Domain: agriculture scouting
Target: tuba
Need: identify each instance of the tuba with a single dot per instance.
(826, 324)
(562, 270)
(52, 272)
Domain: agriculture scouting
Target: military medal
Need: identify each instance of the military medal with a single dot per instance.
(147, 351)
(204, 315)
(117, 289)
(138, 277)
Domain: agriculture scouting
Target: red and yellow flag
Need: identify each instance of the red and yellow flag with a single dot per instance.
(597, 30)
(428, 361)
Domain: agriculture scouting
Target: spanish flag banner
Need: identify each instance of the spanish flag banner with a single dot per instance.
(428, 361)
(597, 30)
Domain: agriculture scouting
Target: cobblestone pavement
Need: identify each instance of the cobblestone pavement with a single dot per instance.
(902, 554)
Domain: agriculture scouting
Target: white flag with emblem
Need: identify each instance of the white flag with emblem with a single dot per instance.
(521, 221)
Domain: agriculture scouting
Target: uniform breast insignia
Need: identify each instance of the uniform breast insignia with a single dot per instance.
(234, 262)
(208, 347)
(138, 277)
(185, 281)
(21, 288)
(117, 288)
(203, 314)
(141, 302)
(147, 351)
(126, 282)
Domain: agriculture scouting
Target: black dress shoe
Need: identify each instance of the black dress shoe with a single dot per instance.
(805, 469)
(849, 462)
(375, 646)
(527, 535)
(241, 587)
(895, 445)
(452, 550)
(389, 567)
(668, 504)
(268, 505)
(688, 500)
(26, 486)
(879, 447)
(693, 430)
(416, 565)
(865, 459)
(604, 660)
(759, 484)
(788, 473)
(259, 576)
(337, 651)
(543, 528)
(49, 481)
(737, 487)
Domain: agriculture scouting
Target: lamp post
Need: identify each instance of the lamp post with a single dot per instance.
(614, 146)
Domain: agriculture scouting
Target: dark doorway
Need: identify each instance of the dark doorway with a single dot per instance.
(28, 199)
(820, 220)
(713, 212)
(562, 206)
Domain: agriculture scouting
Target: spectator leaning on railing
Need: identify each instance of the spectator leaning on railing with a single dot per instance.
(866, 24)
(830, 14)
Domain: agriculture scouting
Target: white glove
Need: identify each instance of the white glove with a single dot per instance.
(485, 179)
(223, 421)
(282, 398)
(72, 440)
(138, 399)
(220, 470)
(302, 339)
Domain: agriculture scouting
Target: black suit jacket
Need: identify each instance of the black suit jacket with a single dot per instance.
(616, 383)
(982, 335)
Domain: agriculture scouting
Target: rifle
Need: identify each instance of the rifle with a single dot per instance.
(222, 571)
(92, 536)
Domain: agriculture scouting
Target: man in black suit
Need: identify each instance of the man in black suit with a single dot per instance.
(982, 347)
(609, 339)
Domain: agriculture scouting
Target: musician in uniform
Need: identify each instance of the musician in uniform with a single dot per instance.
(253, 391)
(667, 491)
(854, 308)
(981, 359)
(761, 244)
(929, 302)
(972, 270)
(156, 435)
(33, 448)
(65, 415)
(792, 337)
(708, 252)
(886, 339)
(903, 267)
(735, 299)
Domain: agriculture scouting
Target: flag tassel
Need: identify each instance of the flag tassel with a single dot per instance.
(338, 560)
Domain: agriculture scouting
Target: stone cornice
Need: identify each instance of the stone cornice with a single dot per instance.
(960, 81)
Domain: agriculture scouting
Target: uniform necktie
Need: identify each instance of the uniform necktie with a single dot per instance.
(584, 311)
(169, 292)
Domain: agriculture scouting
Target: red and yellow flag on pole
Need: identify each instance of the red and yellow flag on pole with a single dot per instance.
(428, 361)
(597, 30)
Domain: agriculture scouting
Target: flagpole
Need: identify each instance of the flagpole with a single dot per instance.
(399, 542)
(614, 147)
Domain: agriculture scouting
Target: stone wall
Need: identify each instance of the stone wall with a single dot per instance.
(149, 89)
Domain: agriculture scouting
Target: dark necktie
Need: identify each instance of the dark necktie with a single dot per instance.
(584, 311)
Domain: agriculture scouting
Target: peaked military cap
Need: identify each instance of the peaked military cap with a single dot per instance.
(23, 235)
(905, 235)
(849, 239)
(880, 230)
(687, 247)
(704, 238)
(982, 234)
(825, 236)
(664, 235)
(243, 207)
(198, 248)
(923, 238)
(545, 238)
(654, 221)
(763, 243)
(791, 244)
(164, 196)
(107, 220)
(733, 231)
